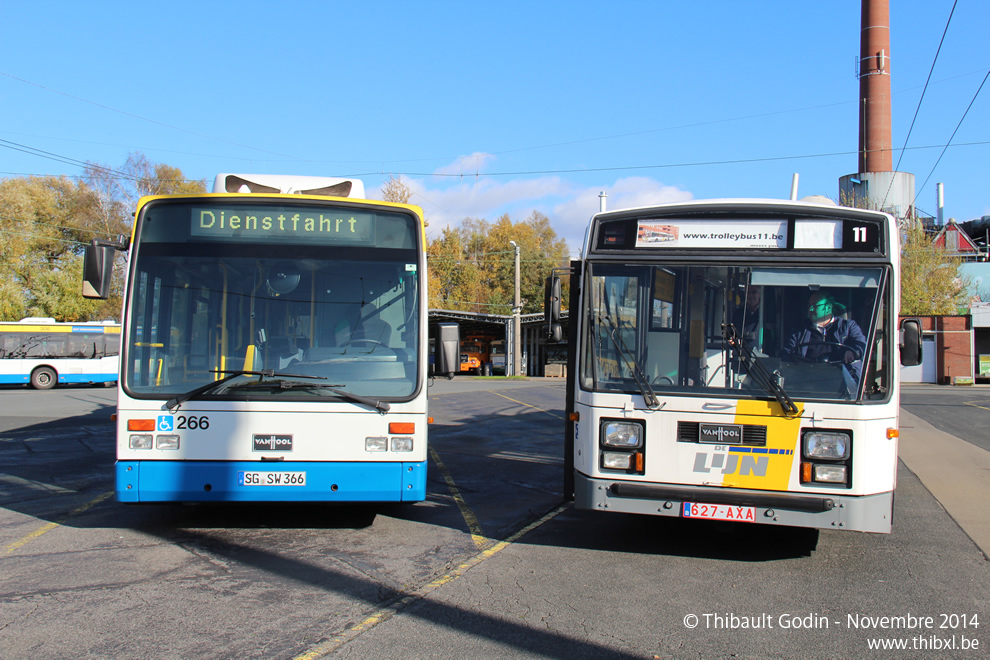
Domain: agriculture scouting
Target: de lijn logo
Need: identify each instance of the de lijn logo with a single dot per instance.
(743, 461)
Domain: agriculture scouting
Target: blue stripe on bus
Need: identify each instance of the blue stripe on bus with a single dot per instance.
(87, 378)
(761, 450)
(221, 481)
(8, 379)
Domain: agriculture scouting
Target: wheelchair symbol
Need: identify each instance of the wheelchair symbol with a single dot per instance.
(165, 422)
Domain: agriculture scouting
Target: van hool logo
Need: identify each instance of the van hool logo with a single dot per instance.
(722, 434)
(272, 442)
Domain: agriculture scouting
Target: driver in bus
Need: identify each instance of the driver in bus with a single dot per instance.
(826, 337)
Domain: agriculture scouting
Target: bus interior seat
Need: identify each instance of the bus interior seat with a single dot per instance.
(374, 329)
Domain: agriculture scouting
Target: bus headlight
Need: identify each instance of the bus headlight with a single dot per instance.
(402, 443)
(142, 441)
(828, 445)
(834, 474)
(167, 442)
(622, 435)
(615, 460)
(376, 444)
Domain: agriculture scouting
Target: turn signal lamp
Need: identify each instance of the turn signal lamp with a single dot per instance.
(402, 428)
(140, 425)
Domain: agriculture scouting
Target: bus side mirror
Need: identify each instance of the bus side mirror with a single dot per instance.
(551, 309)
(911, 352)
(97, 270)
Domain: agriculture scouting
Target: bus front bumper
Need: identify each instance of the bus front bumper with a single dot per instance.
(251, 481)
(866, 513)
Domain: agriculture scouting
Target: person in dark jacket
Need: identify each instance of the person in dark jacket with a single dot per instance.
(827, 338)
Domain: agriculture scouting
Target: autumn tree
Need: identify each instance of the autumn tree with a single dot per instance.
(46, 221)
(120, 189)
(931, 283)
(396, 190)
(472, 266)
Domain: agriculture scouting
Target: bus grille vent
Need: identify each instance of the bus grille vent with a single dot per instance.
(753, 434)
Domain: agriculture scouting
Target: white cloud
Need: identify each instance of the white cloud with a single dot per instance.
(447, 202)
(570, 218)
(487, 198)
(476, 163)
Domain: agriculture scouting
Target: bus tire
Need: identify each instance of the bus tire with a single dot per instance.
(43, 378)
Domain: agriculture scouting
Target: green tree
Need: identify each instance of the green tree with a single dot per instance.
(46, 225)
(931, 283)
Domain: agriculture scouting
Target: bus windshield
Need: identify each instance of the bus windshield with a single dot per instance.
(324, 292)
(759, 332)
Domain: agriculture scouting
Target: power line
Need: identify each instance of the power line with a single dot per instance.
(41, 237)
(951, 136)
(737, 161)
(150, 121)
(918, 108)
(85, 230)
(16, 146)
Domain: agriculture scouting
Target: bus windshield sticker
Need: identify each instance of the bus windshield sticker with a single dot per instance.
(713, 233)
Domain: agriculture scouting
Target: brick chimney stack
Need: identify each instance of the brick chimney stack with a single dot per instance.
(875, 153)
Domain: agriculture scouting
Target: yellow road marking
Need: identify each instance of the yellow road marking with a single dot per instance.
(328, 647)
(970, 403)
(52, 525)
(474, 527)
(521, 403)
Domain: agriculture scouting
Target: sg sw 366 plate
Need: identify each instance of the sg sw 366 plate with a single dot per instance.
(273, 478)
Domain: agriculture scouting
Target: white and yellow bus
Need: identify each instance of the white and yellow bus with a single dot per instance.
(274, 345)
(744, 368)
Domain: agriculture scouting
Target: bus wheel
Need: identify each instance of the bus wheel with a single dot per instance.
(43, 378)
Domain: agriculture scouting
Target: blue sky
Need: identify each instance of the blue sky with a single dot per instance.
(498, 107)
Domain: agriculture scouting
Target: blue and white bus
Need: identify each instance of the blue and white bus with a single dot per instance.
(43, 353)
(274, 345)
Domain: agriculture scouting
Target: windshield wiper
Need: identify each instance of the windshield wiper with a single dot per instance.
(174, 403)
(377, 404)
(757, 371)
(649, 396)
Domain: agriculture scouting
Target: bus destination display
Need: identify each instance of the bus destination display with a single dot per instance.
(273, 223)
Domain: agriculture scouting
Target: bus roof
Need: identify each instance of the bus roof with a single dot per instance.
(288, 184)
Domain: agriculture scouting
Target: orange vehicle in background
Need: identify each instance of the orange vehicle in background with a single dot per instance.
(475, 352)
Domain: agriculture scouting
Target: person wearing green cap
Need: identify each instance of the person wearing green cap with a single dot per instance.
(826, 337)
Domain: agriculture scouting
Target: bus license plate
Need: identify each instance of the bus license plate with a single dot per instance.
(271, 478)
(718, 512)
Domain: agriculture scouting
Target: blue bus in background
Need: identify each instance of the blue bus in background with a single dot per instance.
(44, 353)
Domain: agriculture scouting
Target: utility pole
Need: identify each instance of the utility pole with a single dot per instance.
(516, 321)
